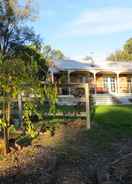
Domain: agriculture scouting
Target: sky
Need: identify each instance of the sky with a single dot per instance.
(84, 27)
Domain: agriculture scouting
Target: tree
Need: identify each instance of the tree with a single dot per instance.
(13, 32)
(23, 68)
(50, 53)
(57, 54)
(128, 46)
(17, 78)
(122, 55)
(21, 64)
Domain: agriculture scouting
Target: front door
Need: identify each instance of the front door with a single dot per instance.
(110, 84)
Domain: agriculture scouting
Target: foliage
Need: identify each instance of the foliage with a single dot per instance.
(50, 53)
(2, 124)
(13, 32)
(120, 55)
(128, 46)
(29, 127)
(23, 69)
(12, 77)
(24, 140)
(50, 92)
(12, 129)
(63, 78)
(124, 54)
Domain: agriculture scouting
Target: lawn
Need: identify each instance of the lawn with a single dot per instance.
(112, 123)
(115, 118)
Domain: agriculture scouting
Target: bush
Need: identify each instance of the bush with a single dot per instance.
(24, 140)
(12, 129)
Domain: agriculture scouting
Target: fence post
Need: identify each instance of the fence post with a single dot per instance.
(88, 125)
(20, 110)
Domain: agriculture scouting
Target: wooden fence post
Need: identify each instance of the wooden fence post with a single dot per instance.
(20, 108)
(88, 125)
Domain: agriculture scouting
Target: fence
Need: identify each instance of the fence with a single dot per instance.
(77, 93)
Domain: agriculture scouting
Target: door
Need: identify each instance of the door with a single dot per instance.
(110, 84)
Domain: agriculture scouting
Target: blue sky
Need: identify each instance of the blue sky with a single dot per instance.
(84, 27)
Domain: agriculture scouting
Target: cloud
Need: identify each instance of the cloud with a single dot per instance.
(100, 22)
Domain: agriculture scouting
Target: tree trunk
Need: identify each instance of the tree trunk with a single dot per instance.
(6, 117)
(6, 140)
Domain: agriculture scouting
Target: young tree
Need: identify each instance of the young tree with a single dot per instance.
(12, 77)
(16, 78)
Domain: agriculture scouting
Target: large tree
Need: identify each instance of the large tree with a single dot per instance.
(13, 32)
(22, 66)
(124, 54)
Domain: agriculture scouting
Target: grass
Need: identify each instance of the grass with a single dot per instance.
(113, 123)
(115, 118)
(113, 127)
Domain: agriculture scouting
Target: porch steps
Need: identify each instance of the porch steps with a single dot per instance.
(125, 98)
(105, 99)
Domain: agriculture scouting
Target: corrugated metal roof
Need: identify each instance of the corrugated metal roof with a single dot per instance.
(68, 64)
(72, 65)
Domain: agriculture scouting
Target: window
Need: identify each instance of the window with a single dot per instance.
(112, 82)
(129, 84)
(106, 86)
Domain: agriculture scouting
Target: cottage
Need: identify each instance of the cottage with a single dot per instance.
(112, 80)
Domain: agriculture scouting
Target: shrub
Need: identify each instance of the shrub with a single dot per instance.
(24, 140)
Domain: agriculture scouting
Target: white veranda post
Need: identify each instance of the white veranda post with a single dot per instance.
(20, 110)
(88, 125)
(95, 83)
(68, 80)
(118, 84)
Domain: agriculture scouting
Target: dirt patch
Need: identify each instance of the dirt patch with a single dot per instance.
(33, 164)
(118, 172)
(72, 155)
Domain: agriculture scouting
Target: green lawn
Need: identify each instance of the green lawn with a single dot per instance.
(116, 118)
(113, 123)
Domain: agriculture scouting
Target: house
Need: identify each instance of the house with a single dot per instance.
(111, 81)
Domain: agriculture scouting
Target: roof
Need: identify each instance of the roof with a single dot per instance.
(68, 64)
(123, 66)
